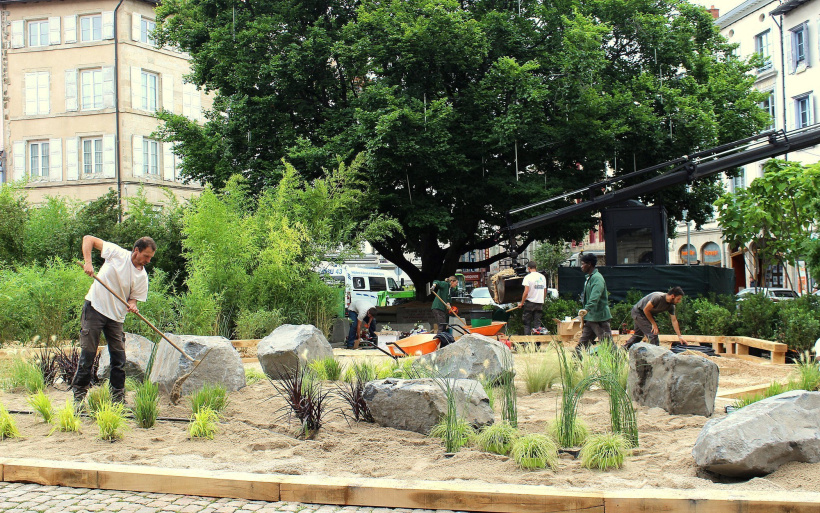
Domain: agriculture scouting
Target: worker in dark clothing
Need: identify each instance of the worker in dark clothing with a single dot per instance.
(643, 313)
(595, 313)
(441, 307)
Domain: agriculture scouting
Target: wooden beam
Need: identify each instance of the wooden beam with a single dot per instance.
(75, 475)
(708, 501)
(248, 342)
(739, 393)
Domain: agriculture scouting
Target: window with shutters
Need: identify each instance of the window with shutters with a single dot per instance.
(799, 49)
(38, 34)
(763, 48)
(38, 159)
(148, 91)
(91, 28)
(91, 88)
(739, 181)
(92, 156)
(802, 111)
(768, 106)
(37, 93)
(150, 157)
(147, 28)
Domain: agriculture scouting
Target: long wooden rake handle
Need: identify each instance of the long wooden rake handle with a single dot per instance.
(146, 321)
(451, 308)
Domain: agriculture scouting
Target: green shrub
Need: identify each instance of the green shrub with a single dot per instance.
(808, 373)
(497, 438)
(541, 369)
(455, 435)
(160, 308)
(604, 452)
(41, 404)
(25, 375)
(111, 421)
(756, 317)
(213, 397)
(557, 309)
(258, 324)
(535, 451)
(204, 424)
(712, 319)
(798, 323)
(146, 404)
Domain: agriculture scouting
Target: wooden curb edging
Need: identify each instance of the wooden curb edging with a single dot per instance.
(392, 493)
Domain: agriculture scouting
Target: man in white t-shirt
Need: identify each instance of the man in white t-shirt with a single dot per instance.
(362, 314)
(124, 272)
(532, 301)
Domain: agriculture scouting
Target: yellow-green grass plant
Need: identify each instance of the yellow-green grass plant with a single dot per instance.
(808, 373)
(364, 370)
(541, 368)
(577, 436)
(387, 368)
(604, 451)
(8, 427)
(146, 404)
(111, 421)
(41, 404)
(214, 397)
(67, 419)
(204, 424)
(535, 451)
(489, 388)
(98, 397)
(455, 433)
(25, 375)
(131, 384)
(497, 438)
(509, 394)
(327, 369)
(613, 360)
(253, 375)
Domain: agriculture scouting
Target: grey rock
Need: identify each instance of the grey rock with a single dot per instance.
(418, 404)
(222, 366)
(757, 439)
(137, 354)
(680, 384)
(338, 332)
(289, 346)
(470, 357)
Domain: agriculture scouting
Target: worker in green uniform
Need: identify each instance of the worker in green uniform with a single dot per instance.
(595, 313)
(441, 307)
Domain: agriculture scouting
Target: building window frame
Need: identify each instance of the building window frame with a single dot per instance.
(147, 27)
(91, 89)
(92, 156)
(769, 106)
(41, 93)
(764, 49)
(739, 180)
(803, 110)
(91, 27)
(39, 30)
(799, 46)
(150, 157)
(149, 90)
(38, 158)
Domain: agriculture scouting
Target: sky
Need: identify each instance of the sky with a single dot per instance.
(724, 5)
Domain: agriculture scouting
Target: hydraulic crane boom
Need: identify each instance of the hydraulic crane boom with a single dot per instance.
(687, 169)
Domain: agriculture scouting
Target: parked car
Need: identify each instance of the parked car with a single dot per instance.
(773, 293)
(481, 296)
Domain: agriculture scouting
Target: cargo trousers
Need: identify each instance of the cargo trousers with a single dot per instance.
(92, 325)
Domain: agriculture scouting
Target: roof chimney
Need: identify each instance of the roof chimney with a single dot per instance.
(715, 12)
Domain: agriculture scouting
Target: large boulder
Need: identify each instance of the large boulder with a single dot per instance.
(470, 357)
(757, 439)
(418, 404)
(222, 366)
(289, 346)
(137, 354)
(680, 384)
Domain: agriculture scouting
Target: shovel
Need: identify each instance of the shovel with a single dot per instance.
(176, 389)
(451, 308)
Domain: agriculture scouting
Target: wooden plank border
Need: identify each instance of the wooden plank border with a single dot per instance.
(501, 498)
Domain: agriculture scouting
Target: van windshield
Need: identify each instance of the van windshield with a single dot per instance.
(392, 284)
(377, 284)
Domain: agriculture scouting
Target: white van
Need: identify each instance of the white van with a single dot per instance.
(373, 285)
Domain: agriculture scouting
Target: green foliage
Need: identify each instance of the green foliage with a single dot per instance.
(748, 399)
(254, 376)
(258, 324)
(756, 317)
(604, 452)
(713, 319)
(131, 384)
(808, 373)
(146, 404)
(774, 389)
(25, 375)
(204, 424)
(462, 90)
(541, 367)
(8, 427)
(497, 438)
(509, 394)
(558, 309)
(535, 451)
(67, 419)
(213, 397)
(455, 434)
(329, 368)
(98, 397)
(111, 421)
(798, 322)
(549, 256)
(574, 438)
(363, 370)
(489, 388)
(13, 217)
(41, 404)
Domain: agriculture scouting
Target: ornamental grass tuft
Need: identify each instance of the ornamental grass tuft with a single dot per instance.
(604, 451)
(8, 427)
(214, 397)
(535, 451)
(577, 435)
(41, 404)
(146, 404)
(204, 424)
(497, 438)
(111, 421)
(67, 419)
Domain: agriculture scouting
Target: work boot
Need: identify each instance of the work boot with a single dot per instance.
(118, 396)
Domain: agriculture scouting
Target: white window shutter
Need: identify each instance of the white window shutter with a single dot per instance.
(70, 90)
(19, 160)
(167, 91)
(108, 24)
(43, 92)
(109, 156)
(72, 158)
(136, 158)
(167, 162)
(186, 100)
(136, 88)
(196, 104)
(31, 93)
(18, 34)
(70, 28)
(136, 26)
(54, 30)
(108, 87)
(55, 162)
(811, 109)
(807, 42)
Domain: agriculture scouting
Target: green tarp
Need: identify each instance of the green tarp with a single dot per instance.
(694, 279)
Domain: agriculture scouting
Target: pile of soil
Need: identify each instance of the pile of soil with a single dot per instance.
(254, 437)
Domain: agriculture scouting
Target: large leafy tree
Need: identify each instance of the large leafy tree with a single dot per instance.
(462, 110)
